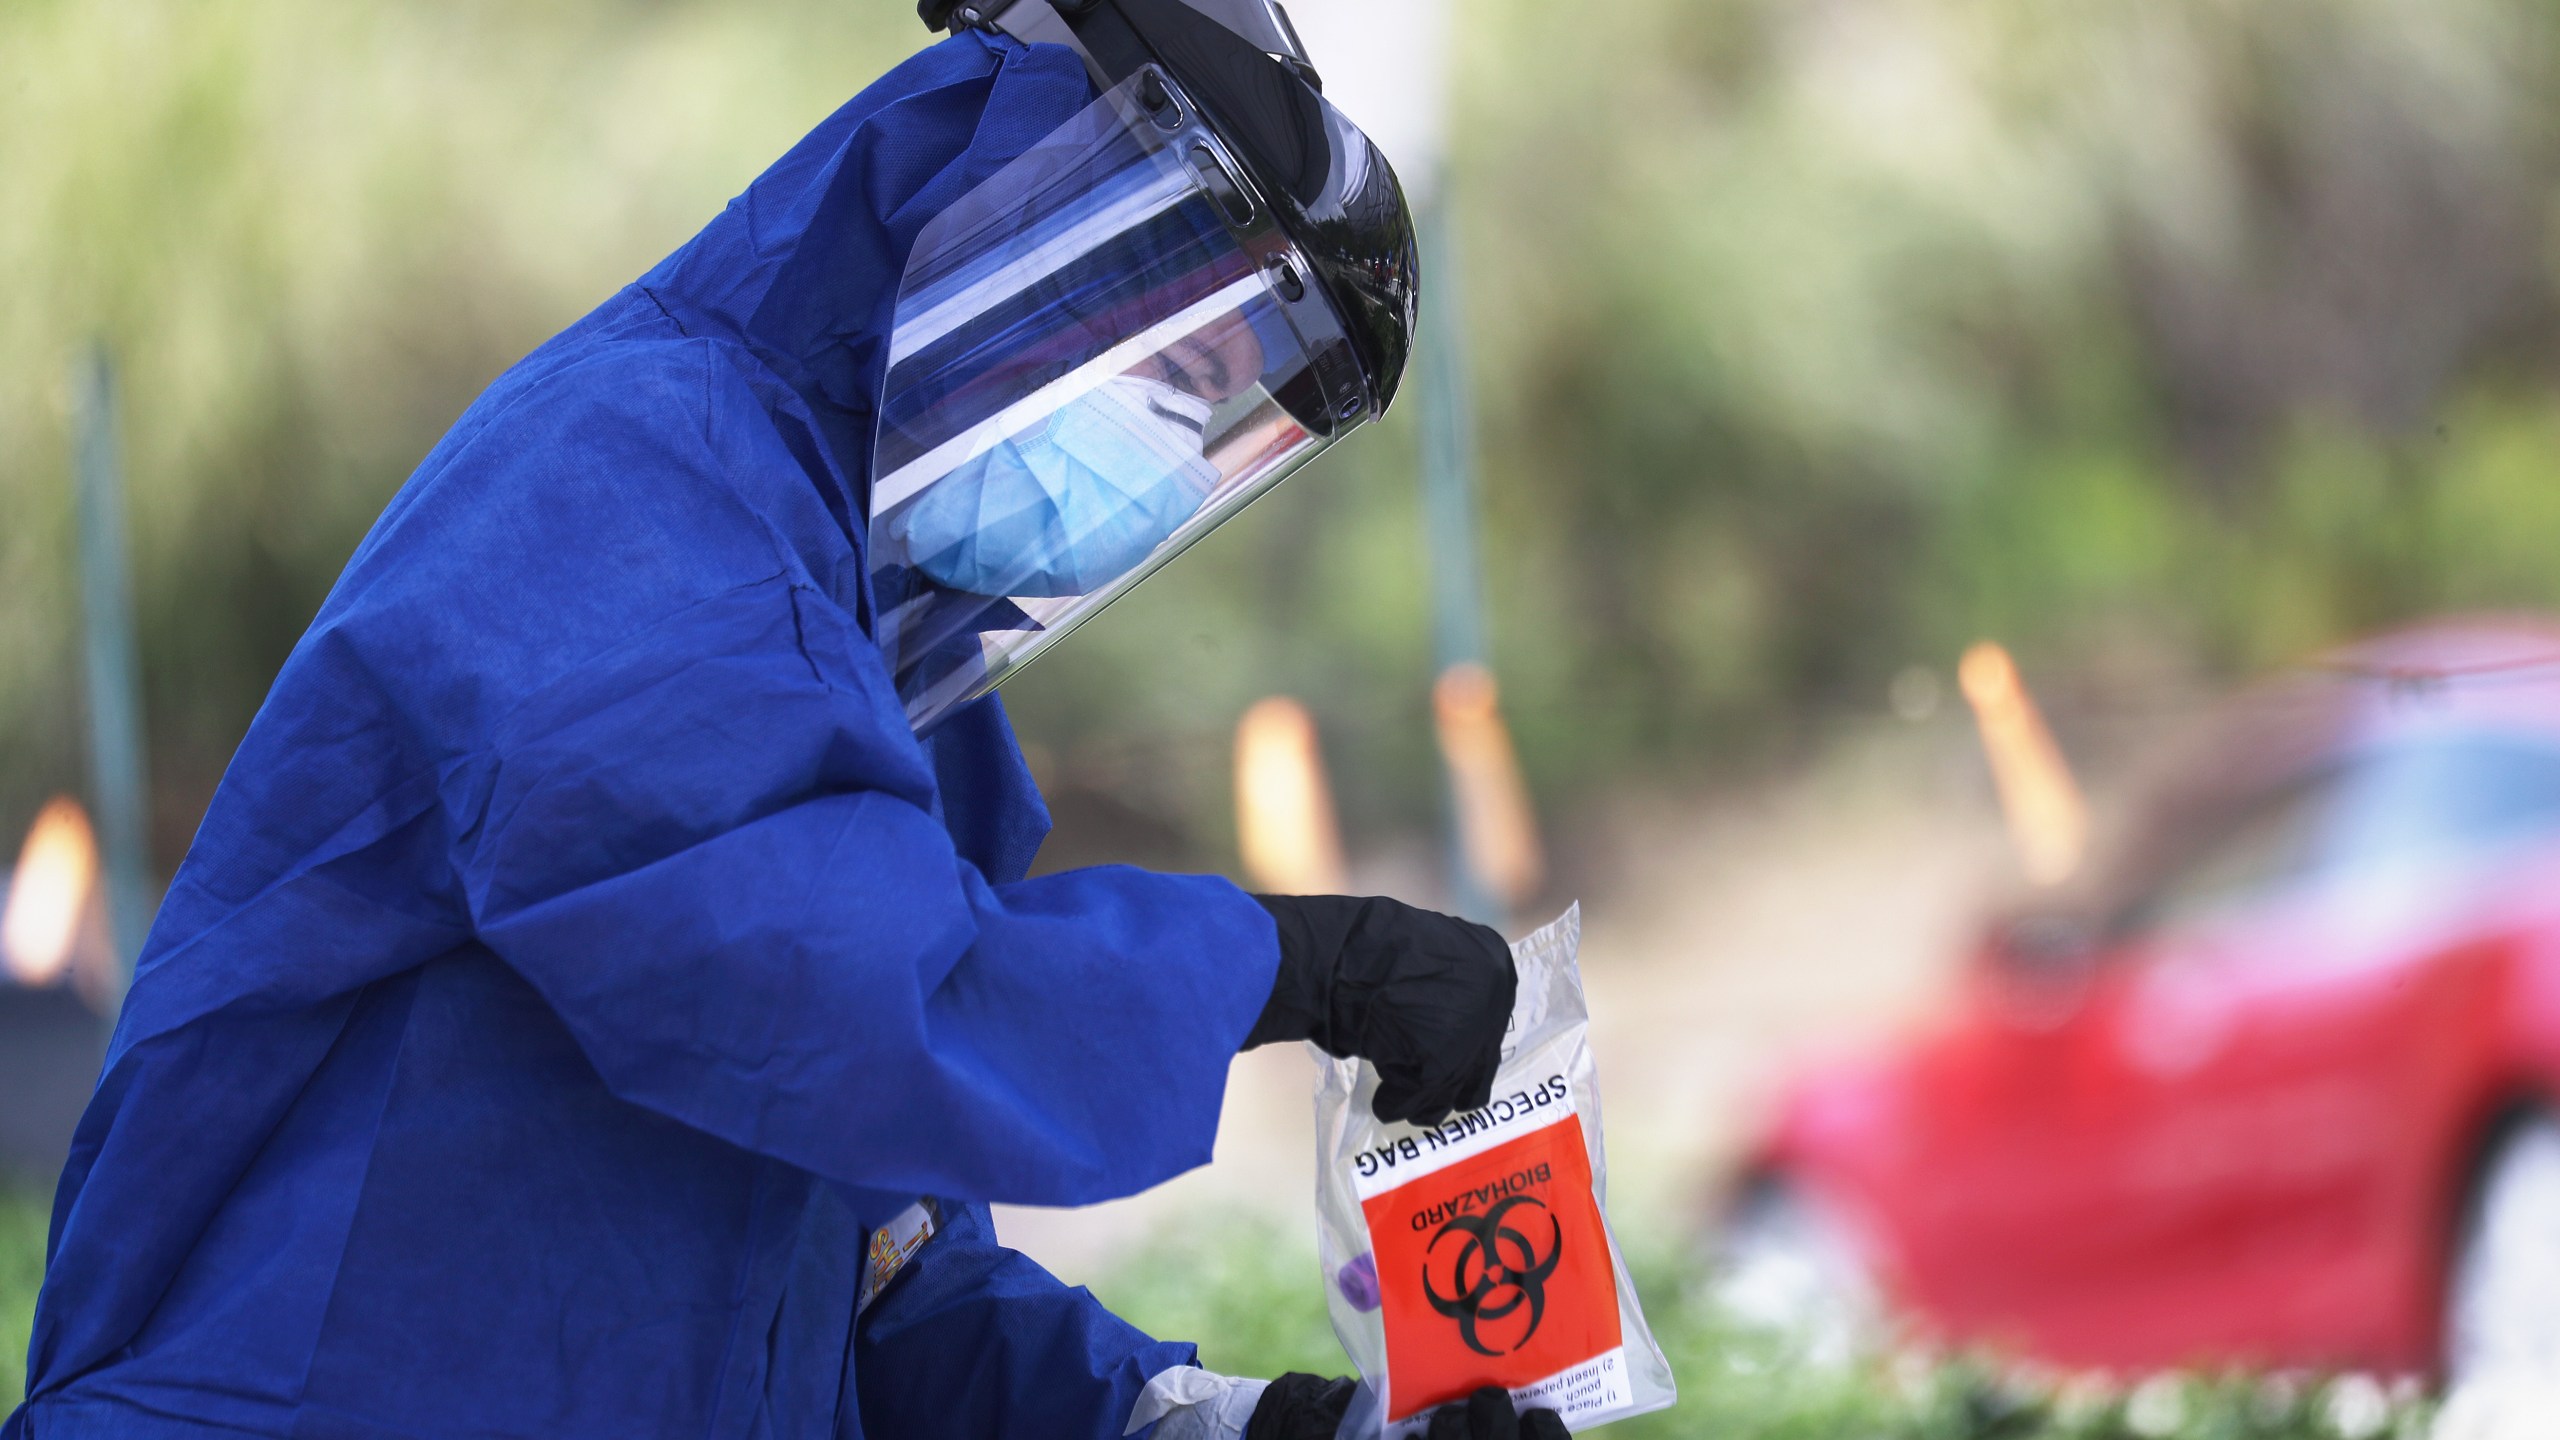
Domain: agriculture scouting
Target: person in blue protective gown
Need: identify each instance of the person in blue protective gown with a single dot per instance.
(584, 958)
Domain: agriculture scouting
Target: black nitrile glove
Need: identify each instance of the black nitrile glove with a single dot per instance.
(1487, 1415)
(1309, 1407)
(1421, 995)
(1299, 1406)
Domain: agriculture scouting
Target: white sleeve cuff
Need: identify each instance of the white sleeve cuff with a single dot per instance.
(1189, 1403)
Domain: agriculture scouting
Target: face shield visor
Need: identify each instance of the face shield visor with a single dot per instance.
(1098, 355)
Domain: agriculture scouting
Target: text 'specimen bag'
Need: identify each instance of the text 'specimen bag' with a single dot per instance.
(1477, 1252)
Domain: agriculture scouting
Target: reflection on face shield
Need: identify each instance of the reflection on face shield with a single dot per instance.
(1073, 504)
(1215, 362)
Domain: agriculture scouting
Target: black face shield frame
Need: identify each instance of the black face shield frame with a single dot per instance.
(1328, 188)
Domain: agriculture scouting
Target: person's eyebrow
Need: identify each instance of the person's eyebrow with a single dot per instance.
(1220, 375)
(1188, 365)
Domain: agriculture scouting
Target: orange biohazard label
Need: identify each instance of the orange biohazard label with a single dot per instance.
(1494, 1270)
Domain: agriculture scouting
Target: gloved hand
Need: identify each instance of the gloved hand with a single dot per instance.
(1487, 1415)
(1309, 1407)
(1421, 995)
(1299, 1406)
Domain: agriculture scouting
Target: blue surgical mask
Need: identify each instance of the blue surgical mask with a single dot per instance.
(1071, 506)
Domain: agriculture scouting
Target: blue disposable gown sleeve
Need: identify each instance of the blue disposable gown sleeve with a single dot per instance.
(703, 831)
(973, 1339)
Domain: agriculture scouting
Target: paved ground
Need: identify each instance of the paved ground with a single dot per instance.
(1736, 933)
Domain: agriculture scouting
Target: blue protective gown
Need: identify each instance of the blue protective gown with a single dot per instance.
(581, 955)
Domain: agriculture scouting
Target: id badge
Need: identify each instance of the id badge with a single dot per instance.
(893, 1245)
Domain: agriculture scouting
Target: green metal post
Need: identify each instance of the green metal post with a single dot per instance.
(118, 777)
(1449, 505)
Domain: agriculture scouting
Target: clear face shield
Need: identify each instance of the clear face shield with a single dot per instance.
(1099, 355)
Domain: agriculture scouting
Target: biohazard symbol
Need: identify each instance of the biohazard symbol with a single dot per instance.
(1496, 1271)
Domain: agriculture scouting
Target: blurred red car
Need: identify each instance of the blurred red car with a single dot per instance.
(2277, 1088)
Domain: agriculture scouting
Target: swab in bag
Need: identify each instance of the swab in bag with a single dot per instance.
(1477, 1252)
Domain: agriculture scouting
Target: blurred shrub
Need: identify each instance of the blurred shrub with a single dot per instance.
(23, 1220)
(1250, 1296)
(1246, 1292)
(1822, 338)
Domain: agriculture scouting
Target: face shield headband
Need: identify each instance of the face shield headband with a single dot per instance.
(1098, 355)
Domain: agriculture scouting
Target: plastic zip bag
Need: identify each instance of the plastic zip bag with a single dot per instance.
(1477, 1252)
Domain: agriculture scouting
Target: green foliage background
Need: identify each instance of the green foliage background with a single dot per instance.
(1243, 1292)
(2158, 337)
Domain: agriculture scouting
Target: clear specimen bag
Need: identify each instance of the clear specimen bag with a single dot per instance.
(1477, 1251)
